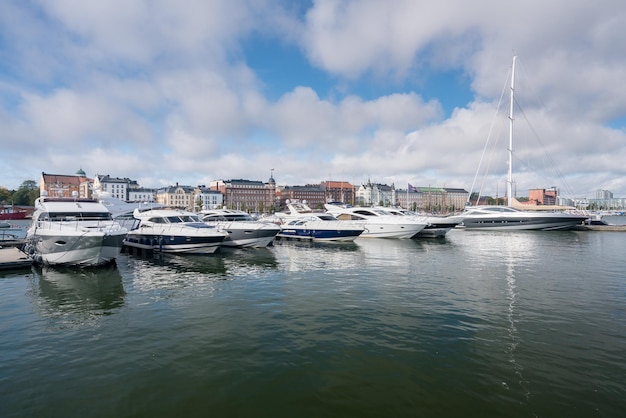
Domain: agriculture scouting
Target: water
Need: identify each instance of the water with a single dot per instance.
(478, 324)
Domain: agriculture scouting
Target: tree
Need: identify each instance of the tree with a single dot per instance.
(5, 196)
(26, 194)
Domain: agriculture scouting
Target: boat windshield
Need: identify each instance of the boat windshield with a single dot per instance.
(75, 216)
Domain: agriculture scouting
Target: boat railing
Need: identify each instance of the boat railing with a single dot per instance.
(99, 225)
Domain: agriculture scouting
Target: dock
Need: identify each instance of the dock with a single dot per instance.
(614, 228)
(11, 258)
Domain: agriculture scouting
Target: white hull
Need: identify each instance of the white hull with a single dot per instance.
(504, 218)
(79, 248)
(173, 231)
(152, 245)
(247, 234)
(398, 231)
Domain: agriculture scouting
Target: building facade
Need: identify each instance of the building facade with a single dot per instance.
(247, 195)
(313, 194)
(62, 185)
(113, 186)
(338, 191)
(176, 196)
(372, 194)
(141, 194)
(432, 199)
(206, 198)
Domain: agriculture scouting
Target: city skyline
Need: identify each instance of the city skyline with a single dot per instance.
(398, 92)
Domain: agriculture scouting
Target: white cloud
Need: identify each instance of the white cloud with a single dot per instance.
(160, 91)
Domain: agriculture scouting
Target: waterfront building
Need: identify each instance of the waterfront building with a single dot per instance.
(247, 195)
(114, 186)
(206, 199)
(63, 185)
(338, 191)
(603, 194)
(432, 199)
(542, 196)
(313, 194)
(176, 196)
(141, 194)
(373, 194)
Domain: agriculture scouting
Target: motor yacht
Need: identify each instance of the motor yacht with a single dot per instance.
(437, 226)
(173, 231)
(74, 232)
(502, 218)
(242, 229)
(377, 222)
(300, 222)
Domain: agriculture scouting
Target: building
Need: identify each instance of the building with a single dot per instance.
(313, 194)
(114, 186)
(542, 196)
(176, 196)
(603, 195)
(338, 191)
(206, 198)
(372, 194)
(140, 194)
(247, 195)
(62, 185)
(432, 199)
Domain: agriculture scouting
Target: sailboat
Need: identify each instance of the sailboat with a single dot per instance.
(514, 216)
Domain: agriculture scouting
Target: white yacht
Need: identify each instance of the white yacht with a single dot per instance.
(73, 231)
(502, 218)
(377, 222)
(438, 226)
(242, 229)
(515, 216)
(173, 231)
(300, 222)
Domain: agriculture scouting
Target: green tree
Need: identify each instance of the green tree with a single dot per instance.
(5, 196)
(26, 194)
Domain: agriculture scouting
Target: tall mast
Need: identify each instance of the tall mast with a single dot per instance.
(509, 180)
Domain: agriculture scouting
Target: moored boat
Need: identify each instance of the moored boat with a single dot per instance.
(173, 231)
(242, 229)
(11, 213)
(377, 222)
(437, 226)
(299, 222)
(73, 232)
(515, 216)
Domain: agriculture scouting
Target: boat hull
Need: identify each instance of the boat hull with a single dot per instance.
(396, 231)
(319, 235)
(84, 250)
(174, 244)
(538, 223)
(248, 236)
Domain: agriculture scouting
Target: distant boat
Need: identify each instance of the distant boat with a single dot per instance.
(515, 216)
(10, 213)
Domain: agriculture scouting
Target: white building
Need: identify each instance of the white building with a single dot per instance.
(208, 199)
(371, 194)
(115, 187)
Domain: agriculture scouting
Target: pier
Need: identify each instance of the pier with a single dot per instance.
(11, 257)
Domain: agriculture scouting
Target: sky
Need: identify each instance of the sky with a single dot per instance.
(393, 92)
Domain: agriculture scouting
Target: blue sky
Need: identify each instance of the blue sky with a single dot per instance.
(398, 91)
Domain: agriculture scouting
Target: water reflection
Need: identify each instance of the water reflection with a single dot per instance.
(298, 256)
(75, 296)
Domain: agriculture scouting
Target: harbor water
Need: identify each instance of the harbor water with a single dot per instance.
(478, 324)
